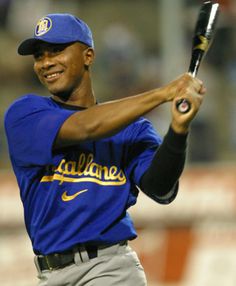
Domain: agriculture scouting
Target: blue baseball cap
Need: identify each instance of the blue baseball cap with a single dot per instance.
(57, 29)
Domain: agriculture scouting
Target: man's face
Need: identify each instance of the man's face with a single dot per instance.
(60, 67)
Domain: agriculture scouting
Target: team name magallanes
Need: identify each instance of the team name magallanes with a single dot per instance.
(85, 170)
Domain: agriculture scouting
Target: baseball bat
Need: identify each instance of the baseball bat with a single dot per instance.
(202, 39)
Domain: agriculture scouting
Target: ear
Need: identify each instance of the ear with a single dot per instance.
(89, 56)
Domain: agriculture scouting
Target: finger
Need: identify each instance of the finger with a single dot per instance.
(203, 90)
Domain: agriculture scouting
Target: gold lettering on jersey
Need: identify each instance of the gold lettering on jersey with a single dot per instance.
(85, 170)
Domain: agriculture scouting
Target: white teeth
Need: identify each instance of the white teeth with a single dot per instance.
(52, 75)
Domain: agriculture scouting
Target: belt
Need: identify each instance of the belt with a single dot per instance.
(59, 260)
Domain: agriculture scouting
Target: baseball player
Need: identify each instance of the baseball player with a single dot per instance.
(80, 164)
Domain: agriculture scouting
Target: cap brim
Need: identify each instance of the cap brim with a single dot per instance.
(27, 47)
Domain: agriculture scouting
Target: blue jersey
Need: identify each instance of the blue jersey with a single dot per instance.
(76, 194)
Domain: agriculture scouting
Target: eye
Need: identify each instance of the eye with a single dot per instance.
(38, 55)
(56, 49)
(50, 49)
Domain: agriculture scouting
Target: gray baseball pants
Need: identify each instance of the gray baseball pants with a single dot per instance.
(116, 265)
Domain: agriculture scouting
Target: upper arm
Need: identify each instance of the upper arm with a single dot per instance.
(72, 130)
(145, 141)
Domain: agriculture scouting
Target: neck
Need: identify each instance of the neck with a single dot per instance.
(82, 96)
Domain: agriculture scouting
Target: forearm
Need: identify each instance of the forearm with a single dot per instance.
(108, 118)
(166, 167)
(104, 120)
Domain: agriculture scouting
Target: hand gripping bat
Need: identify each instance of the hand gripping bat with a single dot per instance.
(203, 36)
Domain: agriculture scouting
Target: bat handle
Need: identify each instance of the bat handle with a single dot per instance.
(183, 105)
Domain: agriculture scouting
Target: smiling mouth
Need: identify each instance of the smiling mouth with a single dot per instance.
(53, 76)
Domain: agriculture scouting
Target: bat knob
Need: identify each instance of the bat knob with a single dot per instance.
(183, 106)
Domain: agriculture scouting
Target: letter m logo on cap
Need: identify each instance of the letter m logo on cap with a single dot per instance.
(43, 26)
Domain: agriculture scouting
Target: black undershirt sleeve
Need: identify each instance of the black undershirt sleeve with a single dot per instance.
(160, 181)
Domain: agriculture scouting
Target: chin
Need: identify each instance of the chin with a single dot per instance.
(60, 89)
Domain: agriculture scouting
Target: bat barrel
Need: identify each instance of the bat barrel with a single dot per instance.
(207, 19)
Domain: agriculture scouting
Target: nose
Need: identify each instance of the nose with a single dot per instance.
(47, 61)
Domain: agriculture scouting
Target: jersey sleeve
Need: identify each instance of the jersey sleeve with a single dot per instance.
(31, 125)
(144, 143)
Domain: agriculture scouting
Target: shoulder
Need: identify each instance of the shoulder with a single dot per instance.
(142, 129)
(27, 103)
(140, 125)
(30, 99)
(24, 106)
(142, 122)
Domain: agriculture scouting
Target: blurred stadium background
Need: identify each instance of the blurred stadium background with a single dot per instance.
(141, 44)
